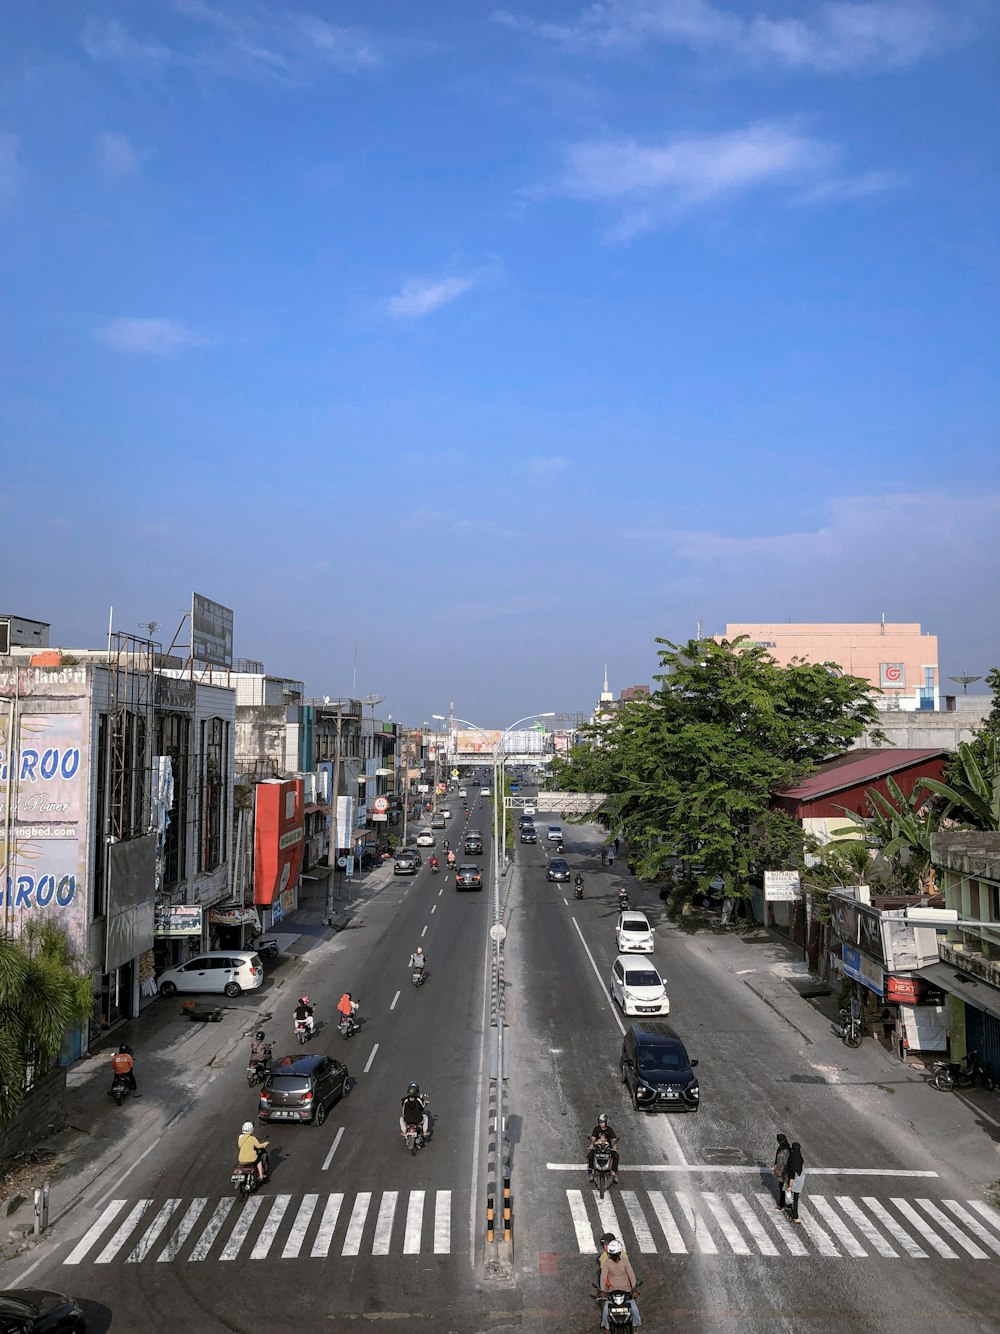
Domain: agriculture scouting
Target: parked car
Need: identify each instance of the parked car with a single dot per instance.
(425, 839)
(473, 844)
(557, 869)
(468, 876)
(38, 1311)
(637, 986)
(657, 1070)
(554, 833)
(437, 821)
(634, 934)
(227, 971)
(408, 861)
(303, 1089)
(528, 834)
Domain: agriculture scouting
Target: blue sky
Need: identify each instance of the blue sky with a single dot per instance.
(499, 341)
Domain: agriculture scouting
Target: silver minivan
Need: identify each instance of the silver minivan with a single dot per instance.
(228, 971)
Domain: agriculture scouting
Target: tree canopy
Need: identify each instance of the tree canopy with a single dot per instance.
(690, 770)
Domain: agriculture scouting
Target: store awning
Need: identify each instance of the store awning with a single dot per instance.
(316, 807)
(980, 995)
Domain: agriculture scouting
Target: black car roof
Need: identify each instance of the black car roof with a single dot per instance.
(656, 1033)
(558, 861)
(299, 1065)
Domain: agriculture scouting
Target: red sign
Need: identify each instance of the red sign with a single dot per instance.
(903, 990)
(381, 804)
(278, 839)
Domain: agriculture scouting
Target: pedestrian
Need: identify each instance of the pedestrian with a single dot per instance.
(604, 855)
(611, 856)
(618, 844)
(795, 1175)
(780, 1162)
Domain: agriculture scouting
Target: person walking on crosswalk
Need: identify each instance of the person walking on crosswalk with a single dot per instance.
(795, 1176)
(780, 1163)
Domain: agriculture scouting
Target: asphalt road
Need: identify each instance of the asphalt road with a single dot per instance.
(351, 1230)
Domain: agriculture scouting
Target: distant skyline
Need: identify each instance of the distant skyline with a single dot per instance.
(503, 340)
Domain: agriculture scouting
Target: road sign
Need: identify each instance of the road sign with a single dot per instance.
(350, 866)
(341, 862)
(377, 816)
(498, 931)
(454, 773)
(381, 804)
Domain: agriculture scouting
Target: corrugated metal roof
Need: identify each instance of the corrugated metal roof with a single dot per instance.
(852, 769)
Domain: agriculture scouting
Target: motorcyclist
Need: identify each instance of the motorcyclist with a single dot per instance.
(434, 863)
(347, 1008)
(304, 1013)
(578, 881)
(413, 1111)
(251, 1149)
(617, 1275)
(451, 859)
(260, 1050)
(122, 1064)
(622, 898)
(445, 844)
(418, 959)
(603, 1134)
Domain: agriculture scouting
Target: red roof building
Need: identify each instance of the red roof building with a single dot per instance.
(842, 785)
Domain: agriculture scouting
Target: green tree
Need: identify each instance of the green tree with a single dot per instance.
(985, 739)
(690, 771)
(44, 993)
(899, 828)
(971, 796)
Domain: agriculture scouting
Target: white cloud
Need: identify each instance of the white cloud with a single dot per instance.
(420, 296)
(842, 189)
(834, 37)
(115, 155)
(150, 337)
(110, 41)
(10, 166)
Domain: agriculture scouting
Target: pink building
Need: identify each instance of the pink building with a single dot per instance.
(898, 659)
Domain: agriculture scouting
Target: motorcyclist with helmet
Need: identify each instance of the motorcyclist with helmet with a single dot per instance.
(304, 1013)
(251, 1149)
(413, 1111)
(617, 1275)
(418, 959)
(603, 1135)
(260, 1049)
(122, 1064)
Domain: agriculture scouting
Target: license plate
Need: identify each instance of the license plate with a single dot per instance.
(648, 1009)
(669, 1095)
(284, 1116)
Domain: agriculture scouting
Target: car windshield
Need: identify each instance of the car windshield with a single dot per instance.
(642, 927)
(661, 1061)
(642, 977)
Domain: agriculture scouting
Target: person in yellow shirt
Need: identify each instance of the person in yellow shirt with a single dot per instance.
(251, 1149)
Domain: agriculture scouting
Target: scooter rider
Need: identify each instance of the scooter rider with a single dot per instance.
(603, 1133)
(451, 859)
(251, 1149)
(122, 1064)
(418, 959)
(413, 1111)
(617, 1275)
(347, 1009)
(578, 881)
(434, 863)
(304, 1013)
(260, 1050)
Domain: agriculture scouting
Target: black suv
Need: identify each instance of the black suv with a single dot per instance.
(528, 834)
(657, 1070)
(302, 1088)
(408, 861)
(473, 845)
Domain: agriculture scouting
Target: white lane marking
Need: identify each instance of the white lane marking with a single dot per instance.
(566, 901)
(270, 1229)
(987, 1211)
(212, 1229)
(442, 1222)
(600, 980)
(121, 1236)
(371, 1058)
(30, 1270)
(865, 1226)
(128, 1172)
(892, 1227)
(728, 1228)
(752, 1224)
(333, 1147)
(581, 1223)
(606, 1213)
(824, 1242)
(434, 908)
(352, 1242)
(925, 1230)
(697, 1224)
(440, 891)
(665, 1218)
(383, 1224)
(839, 1229)
(152, 1233)
(972, 1225)
(239, 1233)
(953, 1230)
(295, 1238)
(423, 933)
(191, 1215)
(93, 1232)
(414, 1223)
(729, 1167)
(323, 1237)
(638, 1220)
(788, 1234)
(395, 999)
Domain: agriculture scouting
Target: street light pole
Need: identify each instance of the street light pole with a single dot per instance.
(333, 851)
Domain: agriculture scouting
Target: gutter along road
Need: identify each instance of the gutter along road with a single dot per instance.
(350, 1228)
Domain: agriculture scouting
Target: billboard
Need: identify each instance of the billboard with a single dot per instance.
(279, 832)
(177, 919)
(475, 743)
(782, 886)
(892, 675)
(211, 632)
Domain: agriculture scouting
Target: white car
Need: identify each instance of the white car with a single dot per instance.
(528, 809)
(637, 986)
(463, 791)
(446, 812)
(425, 839)
(634, 934)
(484, 792)
(554, 834)
(229, 971)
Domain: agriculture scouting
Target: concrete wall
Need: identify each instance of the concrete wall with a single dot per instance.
(43, 1110)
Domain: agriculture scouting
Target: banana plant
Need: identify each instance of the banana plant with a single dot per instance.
(973, 801)
(896, 824)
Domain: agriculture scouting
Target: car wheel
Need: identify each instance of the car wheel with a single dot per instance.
(168, 989)
(320, 1116)
(347, 1086)
(232, 990)
(635, 1098)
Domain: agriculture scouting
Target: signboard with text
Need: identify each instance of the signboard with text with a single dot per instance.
(211, 632)
(782, 886)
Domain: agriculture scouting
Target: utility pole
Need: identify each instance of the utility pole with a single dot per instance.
(333, 851)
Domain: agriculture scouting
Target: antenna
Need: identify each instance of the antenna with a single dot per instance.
(965, 681)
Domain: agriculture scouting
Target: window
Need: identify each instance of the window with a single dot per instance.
(173, 739)
(214, 758)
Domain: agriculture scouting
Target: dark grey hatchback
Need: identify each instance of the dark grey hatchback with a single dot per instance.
(557, 869)
(302, 1088)
(657, 1070)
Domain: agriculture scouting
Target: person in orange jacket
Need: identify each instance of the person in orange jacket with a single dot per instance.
(122, 1064)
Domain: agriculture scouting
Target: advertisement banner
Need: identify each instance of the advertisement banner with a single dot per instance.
(43, 778)
(177, 919)
(476, 743)
(782, 886)
(345, 822)
(279, 832)
(863, 970)
(211, 632)
(892, 675)
(844, 919)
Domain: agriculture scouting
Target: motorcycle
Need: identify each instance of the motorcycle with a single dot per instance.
(246, 1180)
(623, 902)
(256, 1072)
(267, 949)
(951, 1075)
(304, 1030)
(120, 1088)
(435, 867)
(602, 1169)
(578, 889)
(419, 977)
(619, 1308)
(348, 1025)
(849, 1029)
(414, 1139)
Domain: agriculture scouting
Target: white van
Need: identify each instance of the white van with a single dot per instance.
(230, 972)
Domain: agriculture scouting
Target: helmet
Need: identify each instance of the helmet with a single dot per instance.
(602, 1120)
(614, 1248)
(413, 1089)
(304, 1000)
(260, 1035)
(246, 1128)
(126, 1049)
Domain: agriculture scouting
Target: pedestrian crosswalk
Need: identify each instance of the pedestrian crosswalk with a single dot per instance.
(289, 1227)
(707, 1222)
